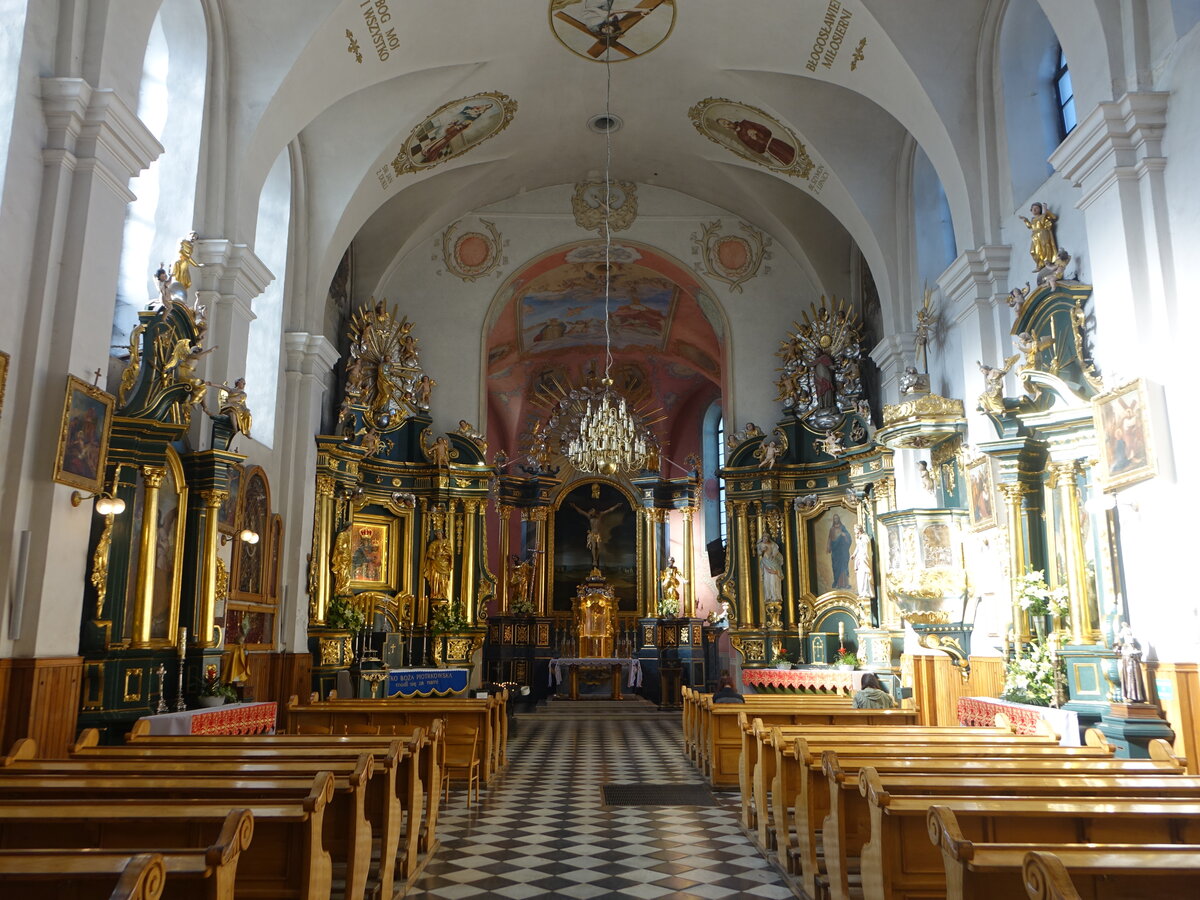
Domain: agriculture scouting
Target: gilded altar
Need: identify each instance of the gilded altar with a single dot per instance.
(596, 618)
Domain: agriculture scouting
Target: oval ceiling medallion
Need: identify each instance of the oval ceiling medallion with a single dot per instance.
(471, 254)
(752, 134)
(453, 129)
(611, 30)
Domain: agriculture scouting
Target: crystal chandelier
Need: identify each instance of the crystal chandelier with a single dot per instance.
(597, 428)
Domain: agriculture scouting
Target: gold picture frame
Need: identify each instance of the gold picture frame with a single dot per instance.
(1124, 435)
(4, 358)
(83, 436)
(374, 552)
(981, 494)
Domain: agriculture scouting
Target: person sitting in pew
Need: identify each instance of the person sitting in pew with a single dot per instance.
(872, 695)
(726, 692)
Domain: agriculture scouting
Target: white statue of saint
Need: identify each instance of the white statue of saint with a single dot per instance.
(863, 575)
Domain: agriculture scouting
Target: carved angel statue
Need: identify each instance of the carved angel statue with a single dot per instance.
(181, 269)
(1042, 246)
(750, 430)
(469, 430)
(924, 323)
(831, 444)
(1051, 273)
(440, 452)
(806, 503)
(912, 381)
(1017, 296)
(181, 364)
(767, 454)
(925, 475)
(992, 398)
(232, 402)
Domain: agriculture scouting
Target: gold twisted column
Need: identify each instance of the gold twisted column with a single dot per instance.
(143, 615)
(542, 570)
(467, 589)
(1064, 480)
(1018, 559)
(689, 564)
(736, 512)
(322, 537)
(206, 613)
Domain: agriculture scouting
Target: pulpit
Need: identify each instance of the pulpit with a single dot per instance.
(595, 617)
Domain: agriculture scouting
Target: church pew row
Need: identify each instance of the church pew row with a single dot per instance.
(460, 715)
(202, 873)
(346, 833)
(1112, 873)
(899, 863)
(757, 774)
(54, 875)
(286, 857)
(977, 870)
(402, 808)
(829, 831)
(722, 758)
(778, 778)
(847, 826)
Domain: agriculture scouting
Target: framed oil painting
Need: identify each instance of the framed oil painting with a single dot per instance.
(981, 494)
(829, 550)
(374, 545)
(1123, 431)
(227, 516)
(600, 509)
(83, 436)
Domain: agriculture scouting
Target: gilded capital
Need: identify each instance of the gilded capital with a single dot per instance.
(153, 476)
(214, 498)
(325, 485)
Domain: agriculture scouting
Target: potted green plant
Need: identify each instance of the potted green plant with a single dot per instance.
(847, 660)
(213, 692)
(521, 607)
(782, 659)
(343, 615)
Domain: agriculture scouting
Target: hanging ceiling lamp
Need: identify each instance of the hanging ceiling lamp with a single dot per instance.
(597, 428)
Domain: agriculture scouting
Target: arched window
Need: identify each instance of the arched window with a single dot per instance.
(713, 442)
(171, 105)
(266, 331)
(12, 38)
(1065, 94)
(933, 226)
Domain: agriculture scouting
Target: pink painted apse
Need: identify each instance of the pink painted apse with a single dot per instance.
(551, 327)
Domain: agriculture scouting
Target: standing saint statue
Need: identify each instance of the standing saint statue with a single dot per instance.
(181, 269)
(438, 562)
(924, 323)
(770, 568)
(520, 576)
(670, 578)
(1042, 246)
(863, 575)
(232, 403)
(1133, 688)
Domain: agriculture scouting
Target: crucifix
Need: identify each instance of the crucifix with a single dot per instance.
(614, 27)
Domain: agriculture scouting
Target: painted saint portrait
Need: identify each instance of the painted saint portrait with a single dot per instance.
(83, 438)
(227, 516)
(1123, 432)
(166, 554)
(753, 134)
(830, 544)
(453, 129)
(372, 548)
(981, 500)
(254, 517)
(935, 545)
(611, 30)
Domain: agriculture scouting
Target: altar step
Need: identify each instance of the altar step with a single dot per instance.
(633, 707)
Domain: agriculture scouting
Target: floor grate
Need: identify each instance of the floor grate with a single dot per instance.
(644, 794)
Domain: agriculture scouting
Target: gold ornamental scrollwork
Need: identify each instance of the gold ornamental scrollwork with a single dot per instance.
(340, 563)
(933, 583)
(922, 407)
(325, 485)
(99, 577)
(221, 592)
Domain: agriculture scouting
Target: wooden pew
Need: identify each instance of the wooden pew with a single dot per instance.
(899, 863)
(80, 876)
(773, 777)
(826, 786)
(286, 857)
(801, 777)
(205, 873)
(992, 871)
(488, 715)
(403, 806)
(1112, 873)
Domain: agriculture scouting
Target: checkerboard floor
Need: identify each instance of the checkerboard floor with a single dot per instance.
(541, 830)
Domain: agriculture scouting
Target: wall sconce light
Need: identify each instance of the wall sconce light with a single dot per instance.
(246, 536)
(106, 504)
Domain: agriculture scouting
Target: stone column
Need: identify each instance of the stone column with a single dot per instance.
(1063, 479)
(504, 513)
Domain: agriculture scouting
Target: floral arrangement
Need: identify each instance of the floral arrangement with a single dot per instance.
(1031, 679)
(343, 614)
(212, 686)
(1038, 598)
(781, 656)
(846, 657)
(668, 607)
(521, 607)
(448, 617)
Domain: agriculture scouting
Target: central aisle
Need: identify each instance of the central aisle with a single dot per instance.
(541, 829)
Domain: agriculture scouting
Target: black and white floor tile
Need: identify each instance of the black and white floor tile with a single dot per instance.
(541, 829)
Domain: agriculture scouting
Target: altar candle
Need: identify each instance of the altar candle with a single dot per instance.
(182, 642)
(841, 631)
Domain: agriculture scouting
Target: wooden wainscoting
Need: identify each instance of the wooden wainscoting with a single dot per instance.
(42, 702)
(937, 685)
(1175, 687)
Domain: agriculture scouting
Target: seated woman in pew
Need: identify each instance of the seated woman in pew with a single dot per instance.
(872, 695)
(726, 692)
